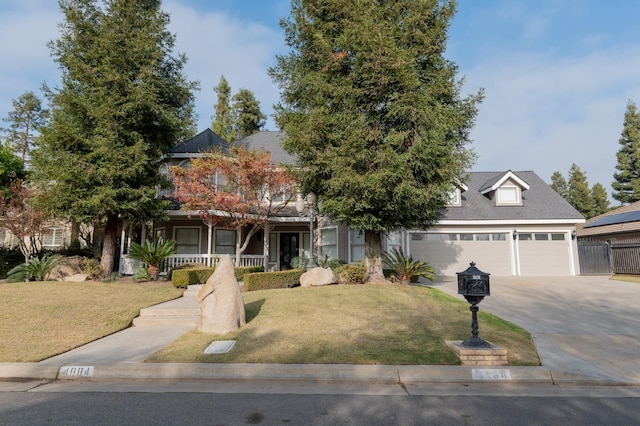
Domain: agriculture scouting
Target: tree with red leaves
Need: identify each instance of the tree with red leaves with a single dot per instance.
(21, 218)
(241, 188)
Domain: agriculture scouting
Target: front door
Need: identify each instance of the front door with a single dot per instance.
(289, 248)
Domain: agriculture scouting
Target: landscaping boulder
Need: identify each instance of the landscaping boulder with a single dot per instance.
(76, 278)
(69, 266)
(318, 276)
(221, 302)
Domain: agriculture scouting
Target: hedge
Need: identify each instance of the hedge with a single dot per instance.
(181, 278)
(270, 280)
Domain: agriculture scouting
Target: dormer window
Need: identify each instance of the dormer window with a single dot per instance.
(508, 195)
(455, 196)
(505, 189)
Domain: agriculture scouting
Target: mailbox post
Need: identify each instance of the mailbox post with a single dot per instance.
(473, 284)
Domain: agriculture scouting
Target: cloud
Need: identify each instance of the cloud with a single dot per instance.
(542, 113)
(217, 44)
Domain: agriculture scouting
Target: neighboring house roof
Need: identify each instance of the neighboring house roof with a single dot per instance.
(539, 200)
(270, 141)
(623, 220)
(203, 142)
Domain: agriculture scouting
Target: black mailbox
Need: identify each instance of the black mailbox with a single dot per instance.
(473, 282)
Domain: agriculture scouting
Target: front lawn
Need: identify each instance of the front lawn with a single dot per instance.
(352, 324)
(42, 319)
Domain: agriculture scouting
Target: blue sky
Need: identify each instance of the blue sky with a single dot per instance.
(557, 73)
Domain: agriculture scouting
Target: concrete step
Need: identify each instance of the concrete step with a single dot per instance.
(182, 311)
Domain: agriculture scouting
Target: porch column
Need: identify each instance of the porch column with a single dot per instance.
(265, 246)
(209, 242)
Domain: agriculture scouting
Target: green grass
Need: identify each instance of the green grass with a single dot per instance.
(626, 278)
(352, 324)
(42, 319)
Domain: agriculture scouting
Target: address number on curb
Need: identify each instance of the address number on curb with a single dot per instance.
(76, 371)
(491, 374)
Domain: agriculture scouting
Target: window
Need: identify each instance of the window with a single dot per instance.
(433, 237)
(483, 237)
(328, 243)
(160, 233)
(187, 240)
(417, 237)
(557, 237)
(225, 241)
(542, 237)
(499, 237)
(450, 237)
(52, 238)
(455, 199)
(356, 246)
(466, 237)
(524, 237)
(508, 195)
(394, 241)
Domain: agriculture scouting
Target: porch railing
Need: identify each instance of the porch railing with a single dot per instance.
(209, 260)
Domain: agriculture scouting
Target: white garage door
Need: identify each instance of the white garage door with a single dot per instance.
(449, 253)
(543, 254)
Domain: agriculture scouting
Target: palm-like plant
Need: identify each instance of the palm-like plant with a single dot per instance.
(152, 253)
(404, 268)
(36, 269)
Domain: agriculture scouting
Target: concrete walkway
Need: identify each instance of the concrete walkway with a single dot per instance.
(585, 325)
(585, 330)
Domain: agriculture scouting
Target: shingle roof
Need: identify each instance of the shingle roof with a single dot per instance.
(202, 142)
(539, 202)
(270, 141)
(616, 221)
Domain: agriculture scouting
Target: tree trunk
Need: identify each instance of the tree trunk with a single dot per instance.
(109, 244)
(373, 257)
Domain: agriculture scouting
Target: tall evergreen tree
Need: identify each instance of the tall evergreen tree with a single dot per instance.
(247, 117)
(599, 199)
(11, 168)
(122, 104)
(372, 110)
(578, 193)
(559, 184)
(25, 120)
(626, 184)
(223, 124)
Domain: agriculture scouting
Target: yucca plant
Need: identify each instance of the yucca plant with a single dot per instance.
(404, 268)
(36, 269)
(152, 253)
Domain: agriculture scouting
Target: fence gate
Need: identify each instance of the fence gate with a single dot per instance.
(594, 257)
(625, 256)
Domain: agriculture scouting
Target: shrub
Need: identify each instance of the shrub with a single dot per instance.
(351, 273)
(406, 268)
(182, 278)
(152, 253)
(270, 280)
(92, 268)
(36, 269)
(9, 258)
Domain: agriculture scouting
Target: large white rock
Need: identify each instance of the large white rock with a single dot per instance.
(318, 276)
(221, 302)
(76, 278)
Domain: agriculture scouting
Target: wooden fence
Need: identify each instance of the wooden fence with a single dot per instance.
(607, 257)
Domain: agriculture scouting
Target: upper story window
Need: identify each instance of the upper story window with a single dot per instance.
(508, 195)
(455, 198)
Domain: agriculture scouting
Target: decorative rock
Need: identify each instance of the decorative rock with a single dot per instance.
(76, 278)
(69, 266)
(318, 276)
(221, 302)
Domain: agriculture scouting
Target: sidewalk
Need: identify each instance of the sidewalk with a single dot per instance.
(121, 356)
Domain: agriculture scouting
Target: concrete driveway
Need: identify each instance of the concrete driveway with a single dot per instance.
(587, 325)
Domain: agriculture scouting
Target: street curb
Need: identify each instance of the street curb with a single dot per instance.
(320, 373)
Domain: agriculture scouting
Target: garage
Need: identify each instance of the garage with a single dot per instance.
(543, 253)
(449, 253)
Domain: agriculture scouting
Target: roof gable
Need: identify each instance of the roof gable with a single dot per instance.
(497, 181)
(204, 141)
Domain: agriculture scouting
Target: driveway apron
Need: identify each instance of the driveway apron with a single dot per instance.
(586, 325)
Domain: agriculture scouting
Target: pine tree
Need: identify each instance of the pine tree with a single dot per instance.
(559, 184)
(122, 104)
(373, 112)
(223, 124)
(26, 118)
(626, 184)
(600, 200)
(247, 117)
(578, 193)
